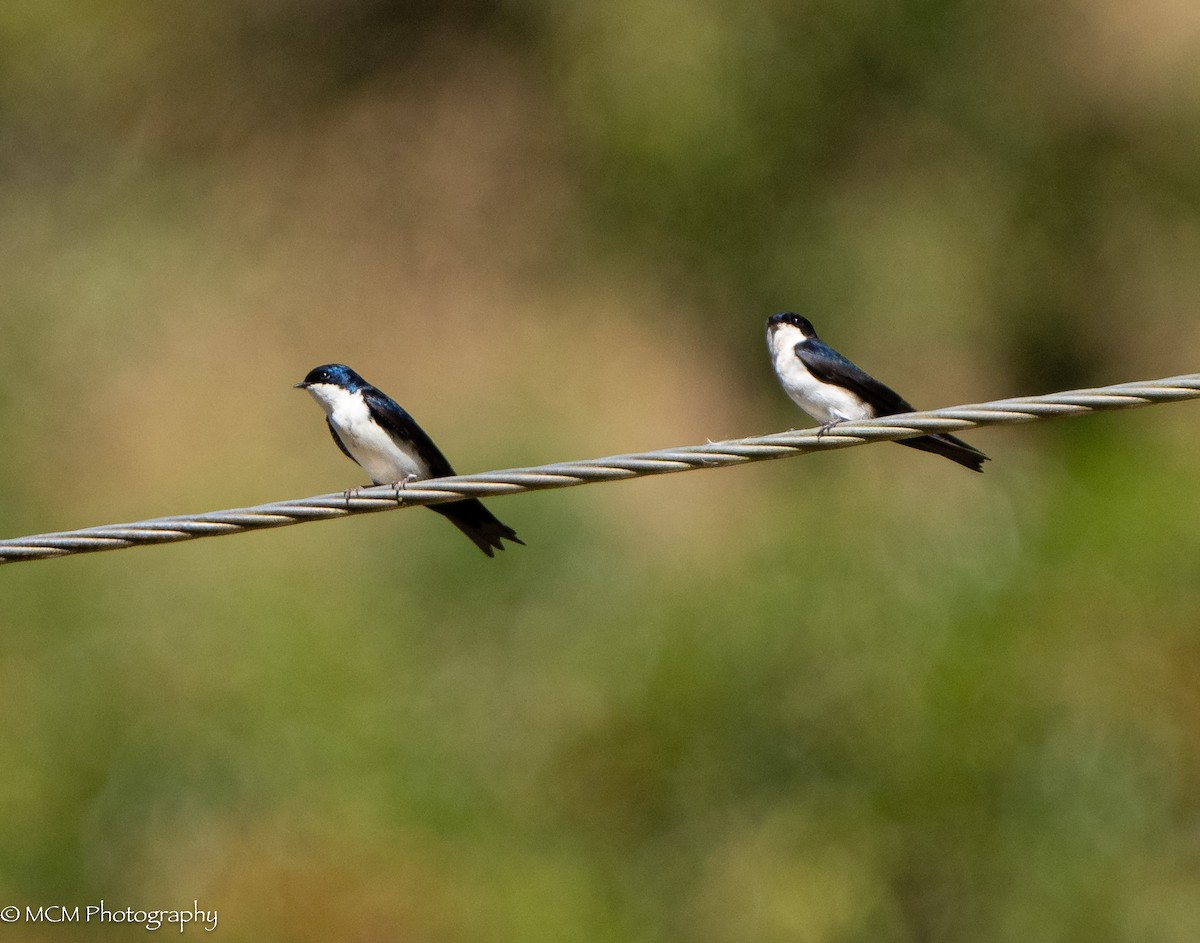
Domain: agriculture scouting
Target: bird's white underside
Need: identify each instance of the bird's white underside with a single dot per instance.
(824, 402)
(380, 455)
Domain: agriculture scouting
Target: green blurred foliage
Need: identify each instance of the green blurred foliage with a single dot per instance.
(859, 696)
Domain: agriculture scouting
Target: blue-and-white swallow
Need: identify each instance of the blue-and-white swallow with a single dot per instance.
(831, 389)
(373, 430)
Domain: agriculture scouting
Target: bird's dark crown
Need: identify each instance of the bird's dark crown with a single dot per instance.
(803, 324)
(335, 374)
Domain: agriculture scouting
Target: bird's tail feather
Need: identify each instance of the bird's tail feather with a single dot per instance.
(478, 523)
(950, 447)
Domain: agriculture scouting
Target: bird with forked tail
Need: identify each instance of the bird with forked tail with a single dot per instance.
(831, 389)
(374, 431)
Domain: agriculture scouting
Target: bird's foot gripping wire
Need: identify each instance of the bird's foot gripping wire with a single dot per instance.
(351, 493)
(826, 426)
(399, 486)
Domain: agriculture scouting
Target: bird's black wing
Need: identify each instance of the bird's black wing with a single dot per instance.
(469, 516)
(827, 365)
(402, 427)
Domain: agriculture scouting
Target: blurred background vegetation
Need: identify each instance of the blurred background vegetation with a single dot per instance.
(855, 697)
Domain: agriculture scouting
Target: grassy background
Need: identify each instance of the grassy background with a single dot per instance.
(860, 696)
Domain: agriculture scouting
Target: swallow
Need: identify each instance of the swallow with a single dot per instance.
(373, 430)
(831, 389)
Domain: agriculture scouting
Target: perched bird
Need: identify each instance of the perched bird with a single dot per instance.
(831, 389)
(373, 430)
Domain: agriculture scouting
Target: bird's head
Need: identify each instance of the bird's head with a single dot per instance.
(332, 374)
(789, 319)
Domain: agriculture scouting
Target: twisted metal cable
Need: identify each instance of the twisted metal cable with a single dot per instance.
(613, 468)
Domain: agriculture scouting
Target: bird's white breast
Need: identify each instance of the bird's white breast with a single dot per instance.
(380, 455)
(823, 401)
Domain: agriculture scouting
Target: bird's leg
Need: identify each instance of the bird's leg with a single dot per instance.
(826, 426)
(351, 493)
(399, 486)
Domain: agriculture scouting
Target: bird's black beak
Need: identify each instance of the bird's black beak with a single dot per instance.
(300, 386)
